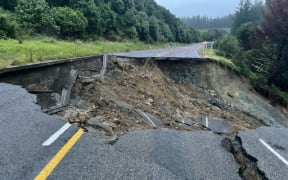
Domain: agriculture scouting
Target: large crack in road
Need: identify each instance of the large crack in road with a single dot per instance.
(117, 96)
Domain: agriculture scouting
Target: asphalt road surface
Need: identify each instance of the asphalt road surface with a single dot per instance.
(270, 147)
(36, 145)
(26, 150)
(191, 51)
(150, 154)
(23, 130)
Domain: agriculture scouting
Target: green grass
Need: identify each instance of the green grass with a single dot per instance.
(44, 48)
(211, 54)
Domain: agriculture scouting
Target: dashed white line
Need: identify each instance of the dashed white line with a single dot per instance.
(274, 152)
(56, 135)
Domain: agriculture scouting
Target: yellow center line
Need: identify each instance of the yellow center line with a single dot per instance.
(47, 170)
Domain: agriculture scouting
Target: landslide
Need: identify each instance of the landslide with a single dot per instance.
(167, 90)
(225, 88)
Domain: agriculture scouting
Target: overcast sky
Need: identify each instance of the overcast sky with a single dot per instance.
(212, 8)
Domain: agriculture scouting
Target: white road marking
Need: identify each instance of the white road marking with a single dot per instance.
(207, 122)
(56, 135)
(147, 117)
(274, 152)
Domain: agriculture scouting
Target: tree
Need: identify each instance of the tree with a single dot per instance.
(129, 4)
(143, 28)
(118, 6)
(204, 22)
(8, 4)
(275, 27)
(131, 32)
(166, 32)
(247, 12)
(35, 15)
(72, 23)
(107, 20)
(246, 35)
(56, 3)
(213, 34)
(114, 19)
(227, 46)
(154, 28)
(7, 25)
(130, 18)
(92, 13)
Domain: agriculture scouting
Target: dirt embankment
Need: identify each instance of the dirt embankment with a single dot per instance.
(167, 90)
(226, 88)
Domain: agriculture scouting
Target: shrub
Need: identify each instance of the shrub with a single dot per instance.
(71, 22)
(227, 46)
(8, 27)
(35, 16)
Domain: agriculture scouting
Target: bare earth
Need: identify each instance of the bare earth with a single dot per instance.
(127, 86)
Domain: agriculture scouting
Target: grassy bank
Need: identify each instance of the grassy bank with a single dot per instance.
(275, 94)
(35, 50)
(211, 54)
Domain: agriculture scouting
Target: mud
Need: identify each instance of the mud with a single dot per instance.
(248, 165)
(144, 84)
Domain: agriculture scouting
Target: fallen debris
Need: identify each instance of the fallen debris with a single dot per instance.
(130, 86)
(150, 119)
(95, 123)
(54, 110)
(185, 122)
(216, 125)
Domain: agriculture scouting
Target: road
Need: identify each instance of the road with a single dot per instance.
(36, 145)
(270, 147)
(27, 150)
(191, 51)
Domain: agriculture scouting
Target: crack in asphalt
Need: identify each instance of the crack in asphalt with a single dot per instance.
(248, 164)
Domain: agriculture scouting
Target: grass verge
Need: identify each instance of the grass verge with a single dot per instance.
(13, 53)
(211, 54)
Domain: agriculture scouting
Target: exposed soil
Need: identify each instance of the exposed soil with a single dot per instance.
(131, 85)
(248, 165)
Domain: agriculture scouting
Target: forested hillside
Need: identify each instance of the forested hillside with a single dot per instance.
(259, 46)
(205, 22)
(91, 19)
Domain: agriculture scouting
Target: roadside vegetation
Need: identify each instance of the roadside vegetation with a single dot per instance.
(258, 47)
(115, 20)
(211, 54)
(41, 48)
(37, 30)
(205, 23)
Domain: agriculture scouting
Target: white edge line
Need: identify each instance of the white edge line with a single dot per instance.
(56, 135)
(274, 152)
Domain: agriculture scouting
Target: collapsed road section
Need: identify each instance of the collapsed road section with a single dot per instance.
(179, 94)
(110, 96)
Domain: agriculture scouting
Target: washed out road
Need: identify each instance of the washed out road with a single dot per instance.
(36, 145)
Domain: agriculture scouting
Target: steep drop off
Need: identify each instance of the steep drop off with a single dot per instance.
(169, 91)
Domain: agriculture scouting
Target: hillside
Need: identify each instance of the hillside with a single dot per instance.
(115, 20)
